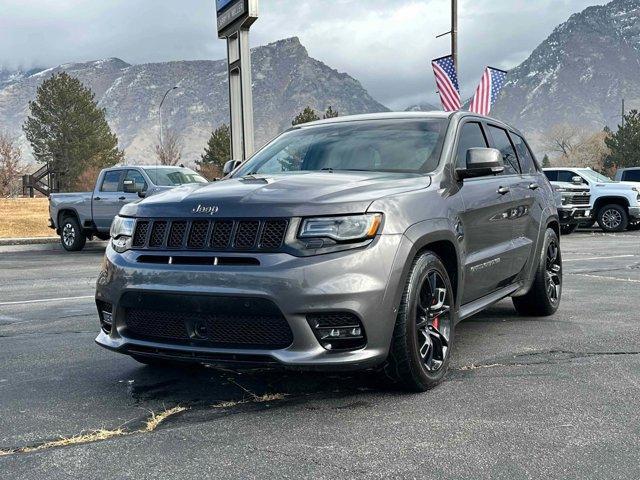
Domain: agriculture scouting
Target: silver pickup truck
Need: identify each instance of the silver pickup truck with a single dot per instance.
(77, 217)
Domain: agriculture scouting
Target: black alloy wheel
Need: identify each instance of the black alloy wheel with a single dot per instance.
(553, 279)
(433, 321)
(543, 298)
(423, 335)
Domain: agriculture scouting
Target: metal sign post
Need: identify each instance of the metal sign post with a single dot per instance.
(235, 18)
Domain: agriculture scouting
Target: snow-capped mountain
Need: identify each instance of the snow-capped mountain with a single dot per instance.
(580, 74)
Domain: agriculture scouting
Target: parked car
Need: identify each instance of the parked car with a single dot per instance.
(78, 216)
(631, 174)
(573, 202)
(613, 204)
(349, 243)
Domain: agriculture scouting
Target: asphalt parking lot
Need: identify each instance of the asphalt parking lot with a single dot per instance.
(557, 397)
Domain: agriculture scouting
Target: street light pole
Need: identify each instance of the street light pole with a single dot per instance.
(160, 110)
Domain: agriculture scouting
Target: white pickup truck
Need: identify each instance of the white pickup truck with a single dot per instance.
(614, 205)
(78, 216)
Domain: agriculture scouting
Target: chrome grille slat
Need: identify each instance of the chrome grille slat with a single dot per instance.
(224, 235)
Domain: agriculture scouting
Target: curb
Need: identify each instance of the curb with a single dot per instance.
(28, 241)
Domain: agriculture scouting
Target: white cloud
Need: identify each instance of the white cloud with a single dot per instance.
(386, 44)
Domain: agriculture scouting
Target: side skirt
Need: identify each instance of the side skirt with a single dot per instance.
(477, 306)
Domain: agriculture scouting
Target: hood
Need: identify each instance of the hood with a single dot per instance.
(283, 195)
(570, 186)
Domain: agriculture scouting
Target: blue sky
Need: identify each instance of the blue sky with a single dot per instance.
(386, 44)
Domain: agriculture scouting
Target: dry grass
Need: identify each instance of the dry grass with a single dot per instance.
(98, 435)
(156, 420)
(24, 217)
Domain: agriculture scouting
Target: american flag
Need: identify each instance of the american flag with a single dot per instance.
(490, 85)
(447, 82)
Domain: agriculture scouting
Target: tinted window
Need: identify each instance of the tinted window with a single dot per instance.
(552, 175)
(470, 137)
(501, 142)
(111, 181)
(138, 180)
(631, 176)
(527, 163)
(566, 176)
(376, 145)
(172, 177)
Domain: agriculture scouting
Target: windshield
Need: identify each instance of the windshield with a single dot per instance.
(171, 177)
(595, 176)
(377, 145)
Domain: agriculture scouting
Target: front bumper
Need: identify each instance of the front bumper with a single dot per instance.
(363, 282)
(574, 215)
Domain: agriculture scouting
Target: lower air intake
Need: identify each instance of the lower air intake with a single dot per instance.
(207, 321)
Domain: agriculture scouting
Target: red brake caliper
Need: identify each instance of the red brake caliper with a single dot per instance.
(436, 320)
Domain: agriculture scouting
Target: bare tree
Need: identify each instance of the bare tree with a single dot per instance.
(169, 149)
(10, 166)
(564, 139)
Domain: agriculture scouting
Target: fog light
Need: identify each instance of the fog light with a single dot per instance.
(337, 330)
(105, 312)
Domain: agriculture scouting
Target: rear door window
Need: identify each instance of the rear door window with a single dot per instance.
(527, 163)
(503, 143)
(111, 181)
(471, 136)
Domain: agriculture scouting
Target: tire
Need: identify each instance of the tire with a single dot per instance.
(544, 297)
(423, 337)
(568, 229)
(71, 236)
(613, 218)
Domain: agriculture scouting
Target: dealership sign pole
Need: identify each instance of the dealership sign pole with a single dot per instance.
(235, 18)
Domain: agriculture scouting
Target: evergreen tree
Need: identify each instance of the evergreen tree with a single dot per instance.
(216, 153)
(546, 163)
(330, 113)
(306, 116)
(624, 145)
(67, 130)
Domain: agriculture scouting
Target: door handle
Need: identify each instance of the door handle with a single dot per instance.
(534, 186)
(97, 198)
(504, 190)
(122, 198)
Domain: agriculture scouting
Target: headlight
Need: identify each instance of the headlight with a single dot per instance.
(342, 229)
(121, 233)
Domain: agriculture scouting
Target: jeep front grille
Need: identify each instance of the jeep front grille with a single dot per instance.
(244, 235)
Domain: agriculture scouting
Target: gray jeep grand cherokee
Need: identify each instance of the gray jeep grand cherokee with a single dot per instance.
(350, 243)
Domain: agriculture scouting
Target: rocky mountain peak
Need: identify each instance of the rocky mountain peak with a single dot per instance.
(580, 73)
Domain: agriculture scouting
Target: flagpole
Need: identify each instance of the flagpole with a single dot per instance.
(454, 33)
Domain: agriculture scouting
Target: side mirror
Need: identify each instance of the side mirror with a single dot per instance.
(129, 186)
(481, 162)
(576, 180)
(230, 166)
(142, 194)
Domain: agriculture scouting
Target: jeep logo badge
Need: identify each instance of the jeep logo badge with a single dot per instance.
(206, 209)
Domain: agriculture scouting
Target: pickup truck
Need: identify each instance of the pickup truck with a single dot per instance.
(77, 217)
(615, 205)
(572, 201)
